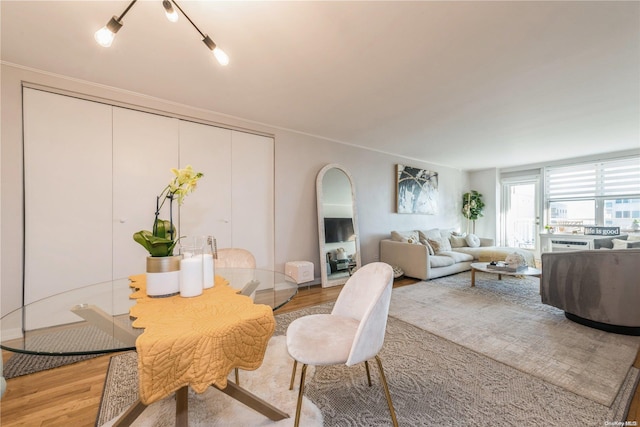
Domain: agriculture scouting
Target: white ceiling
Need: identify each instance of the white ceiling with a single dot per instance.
(470, 85)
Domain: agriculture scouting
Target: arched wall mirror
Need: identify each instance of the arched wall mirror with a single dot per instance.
(337, 225)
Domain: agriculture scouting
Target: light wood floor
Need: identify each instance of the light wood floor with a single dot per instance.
(70, 395)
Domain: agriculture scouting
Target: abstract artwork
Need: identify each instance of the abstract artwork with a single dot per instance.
(417, 191)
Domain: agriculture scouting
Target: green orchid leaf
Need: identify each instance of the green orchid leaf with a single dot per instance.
(142, 238)
(162, 228)
(156, 246)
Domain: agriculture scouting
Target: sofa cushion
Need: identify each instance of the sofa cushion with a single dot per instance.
(445, 233)
(497, 253)
(446, 245)
(436, 261)
(473, 241)
(406, 237)
(457, 256)
(434, 233)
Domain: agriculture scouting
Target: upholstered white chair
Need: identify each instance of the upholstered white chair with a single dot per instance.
(237, 258)
(353, 332)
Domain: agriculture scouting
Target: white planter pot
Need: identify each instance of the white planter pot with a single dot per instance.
(163, 276)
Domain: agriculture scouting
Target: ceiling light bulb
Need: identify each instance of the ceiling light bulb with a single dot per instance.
(171, 13)
(222, 57)
(105, 35)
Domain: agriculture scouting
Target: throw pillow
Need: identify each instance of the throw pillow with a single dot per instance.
(406, 237)
(429, 248)
(397, 272)
(457, 241)
(473, 241)
(619, 244)
(633, 245)
(633, 238)
(436, 244)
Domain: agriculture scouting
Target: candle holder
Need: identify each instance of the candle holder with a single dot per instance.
(191, 271)
(207, 246)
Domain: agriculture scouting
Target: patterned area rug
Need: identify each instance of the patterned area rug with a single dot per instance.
(505, 320)
(432, 380)
(24, 364)
(211, 408)
(59, 341)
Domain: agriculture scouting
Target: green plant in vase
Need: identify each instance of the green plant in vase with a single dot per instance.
(472, 206)
(162, 239)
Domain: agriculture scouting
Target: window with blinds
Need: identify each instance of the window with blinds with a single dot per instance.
(599, 193)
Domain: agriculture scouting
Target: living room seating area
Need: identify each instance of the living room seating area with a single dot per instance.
(437, 252)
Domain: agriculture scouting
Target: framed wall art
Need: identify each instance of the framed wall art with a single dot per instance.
(417, 191)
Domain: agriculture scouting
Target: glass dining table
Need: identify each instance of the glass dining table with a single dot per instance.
(95, 319)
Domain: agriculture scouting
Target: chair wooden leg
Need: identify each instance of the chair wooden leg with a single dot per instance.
(386, 392)
(237, 376)
(293, 374)
(366, 366)
(300, 393)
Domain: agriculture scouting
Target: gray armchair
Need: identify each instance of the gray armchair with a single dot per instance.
(597, 288)
(3, 383)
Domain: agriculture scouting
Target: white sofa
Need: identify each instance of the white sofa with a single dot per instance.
(419, 259)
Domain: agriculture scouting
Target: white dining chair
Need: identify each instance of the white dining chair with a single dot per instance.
(353, 332)
(234, 258)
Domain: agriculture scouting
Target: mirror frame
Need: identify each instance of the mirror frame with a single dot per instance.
(326, 280)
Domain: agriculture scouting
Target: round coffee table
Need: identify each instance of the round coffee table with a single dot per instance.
(482, 266)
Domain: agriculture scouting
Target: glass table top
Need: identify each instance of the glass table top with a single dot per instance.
(95, 319)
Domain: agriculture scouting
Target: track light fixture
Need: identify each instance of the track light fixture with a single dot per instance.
(106, 34)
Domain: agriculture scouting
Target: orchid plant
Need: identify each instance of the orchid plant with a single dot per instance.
(161, 241)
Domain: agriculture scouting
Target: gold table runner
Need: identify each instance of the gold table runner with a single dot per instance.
(196, 341)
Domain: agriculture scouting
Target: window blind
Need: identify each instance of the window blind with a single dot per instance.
(614, 178)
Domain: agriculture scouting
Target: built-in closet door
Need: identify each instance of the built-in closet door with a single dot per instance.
(252, 187)
(207, 211)
(92, 175)
(145, 148)
(67, 185)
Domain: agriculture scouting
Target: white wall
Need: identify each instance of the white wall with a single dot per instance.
(298, 158)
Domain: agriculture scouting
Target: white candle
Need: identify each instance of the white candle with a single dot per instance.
(208, 271)
(191, 276)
